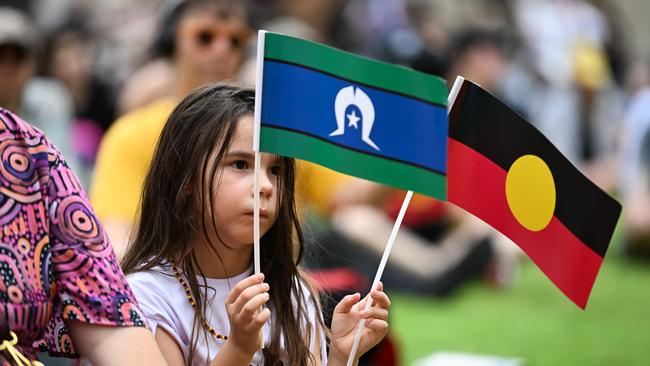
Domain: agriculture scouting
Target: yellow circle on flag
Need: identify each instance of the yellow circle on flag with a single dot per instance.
(530, 191)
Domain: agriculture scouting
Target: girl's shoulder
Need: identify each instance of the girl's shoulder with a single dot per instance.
(154, 285)
(161, 274)
(163, 302)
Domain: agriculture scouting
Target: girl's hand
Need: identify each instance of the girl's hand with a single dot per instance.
(246, 319)
(345, 321)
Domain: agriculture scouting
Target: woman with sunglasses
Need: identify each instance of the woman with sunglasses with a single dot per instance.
(204, 40)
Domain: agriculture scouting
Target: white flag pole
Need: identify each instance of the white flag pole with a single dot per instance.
(453, 93)
(380, 271)
(257, 115)
(256, 213)
(389, 246)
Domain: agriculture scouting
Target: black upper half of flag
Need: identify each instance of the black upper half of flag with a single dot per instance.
(485, 124)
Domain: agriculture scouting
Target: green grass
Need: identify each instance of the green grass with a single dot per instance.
(533, 320)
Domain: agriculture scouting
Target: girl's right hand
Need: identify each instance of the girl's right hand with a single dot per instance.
(246, 319)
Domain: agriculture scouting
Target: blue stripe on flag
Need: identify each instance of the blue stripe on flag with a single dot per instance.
(405, 129)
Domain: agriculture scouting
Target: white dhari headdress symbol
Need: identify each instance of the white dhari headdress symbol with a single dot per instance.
(346, 97)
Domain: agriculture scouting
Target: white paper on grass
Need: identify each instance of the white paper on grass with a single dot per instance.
(466, 359)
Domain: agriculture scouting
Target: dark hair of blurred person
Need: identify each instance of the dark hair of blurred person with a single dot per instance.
(42, 101)
(478, 55)
(18, 42)
(69, 57)
(431, 63)
(206, 41)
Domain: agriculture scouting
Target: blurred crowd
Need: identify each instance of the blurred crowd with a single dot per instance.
(101, 77)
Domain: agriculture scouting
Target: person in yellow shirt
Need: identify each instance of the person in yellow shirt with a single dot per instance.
(207, 45)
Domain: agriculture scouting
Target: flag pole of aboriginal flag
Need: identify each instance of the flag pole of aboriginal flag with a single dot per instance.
(504, 171)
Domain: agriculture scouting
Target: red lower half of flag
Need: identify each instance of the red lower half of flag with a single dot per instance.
(478, 185)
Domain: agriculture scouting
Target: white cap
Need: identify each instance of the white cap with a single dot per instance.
(16, 28)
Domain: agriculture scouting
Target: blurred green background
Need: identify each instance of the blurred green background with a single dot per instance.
(533, 320)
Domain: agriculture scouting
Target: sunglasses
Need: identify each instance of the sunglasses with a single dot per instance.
(204, 37)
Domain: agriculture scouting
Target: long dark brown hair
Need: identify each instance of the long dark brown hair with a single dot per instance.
(173, 215)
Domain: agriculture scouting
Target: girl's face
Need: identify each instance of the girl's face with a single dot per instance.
(232, 202)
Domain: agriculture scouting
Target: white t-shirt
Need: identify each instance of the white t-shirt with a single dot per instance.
(164, 303)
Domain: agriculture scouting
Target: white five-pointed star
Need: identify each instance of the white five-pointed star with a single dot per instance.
(352, 117)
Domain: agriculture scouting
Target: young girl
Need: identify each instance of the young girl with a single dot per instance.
(190, 263)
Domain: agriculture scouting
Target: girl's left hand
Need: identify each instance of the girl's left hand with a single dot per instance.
(345, 321)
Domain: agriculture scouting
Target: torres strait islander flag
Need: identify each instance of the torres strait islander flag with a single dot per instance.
(504, 171)
(361, 117)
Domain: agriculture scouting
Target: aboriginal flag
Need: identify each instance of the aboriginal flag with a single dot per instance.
(504, 171)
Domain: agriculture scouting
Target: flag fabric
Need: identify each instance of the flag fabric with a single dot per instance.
(504, 171)
(355, 115)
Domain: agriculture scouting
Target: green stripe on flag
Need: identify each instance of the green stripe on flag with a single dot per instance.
(356, 68)
(344, 160)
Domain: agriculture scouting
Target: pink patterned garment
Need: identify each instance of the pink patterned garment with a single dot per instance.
(55, 260)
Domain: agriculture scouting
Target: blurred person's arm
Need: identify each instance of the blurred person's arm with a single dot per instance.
(637, 202)
(358, 191)
(637, 207)
(370, 228)
(104, 345)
